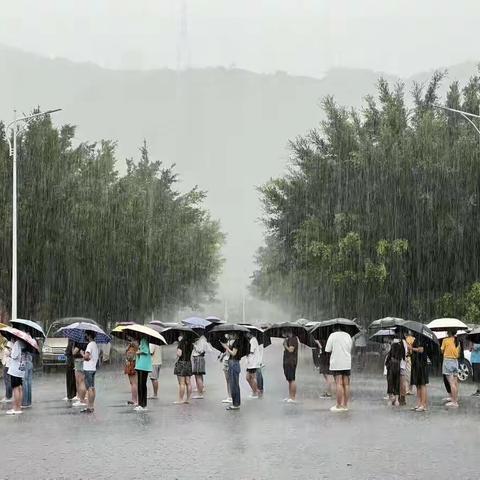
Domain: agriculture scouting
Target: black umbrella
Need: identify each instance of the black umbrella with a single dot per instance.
(323, 330)
(171, 334)
(216, 336)
(259, 334)
(383, 336)
(425, 336)
(279, 330)
(474, 335)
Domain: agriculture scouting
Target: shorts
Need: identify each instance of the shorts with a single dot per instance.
(155, 373)
(251, 370)
(450, 367)
(183, 368)
(198, 365)
(476, 372)
(16, 381)
(341, 373)
(89, 379)
(78, 362)
(289, 371)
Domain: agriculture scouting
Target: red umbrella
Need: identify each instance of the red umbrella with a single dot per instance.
(11, 333)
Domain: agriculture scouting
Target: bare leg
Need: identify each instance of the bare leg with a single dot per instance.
(292, 390)
(453, 388)
(181, 389)
(17, 398)
(228, 384)
(81, 388)
(134, 388)
(339, 390)
(346, 390)
(199, 382)
(188, 388)
(252, 381)
(91, 398)
(331, 388)
(155, 388)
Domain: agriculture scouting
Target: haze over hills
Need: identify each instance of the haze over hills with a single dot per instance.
(226, 130)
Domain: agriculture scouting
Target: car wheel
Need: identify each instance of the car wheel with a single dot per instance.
(464, 371)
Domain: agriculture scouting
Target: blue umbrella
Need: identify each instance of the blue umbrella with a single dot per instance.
(33, 328)
(76, 332)
(196, 322)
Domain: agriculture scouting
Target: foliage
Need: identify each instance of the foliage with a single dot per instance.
(92, 243)
(378, 213)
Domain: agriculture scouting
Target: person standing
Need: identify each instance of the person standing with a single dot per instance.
(143, 366)
(394, 360)
(198, 364)
(183, 370)
(339, 345)
(16, 371)
(70, 372)
(27, 381)
(90, 361)
(156, 353)
(6, 377)
(290, 360)
(252, 365)
(234, 370)
(78, 351)
(419, 373)
(475, 361)
(224, 357)
(259, 371)
(324, 369)
(451, 353)
(409, 339)
(130, 372)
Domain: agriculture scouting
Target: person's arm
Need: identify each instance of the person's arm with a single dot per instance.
(442, 348)
(328, 346)
(16, 351)
(289, 348)
(179, 352)
(87, 355)
(231, 351)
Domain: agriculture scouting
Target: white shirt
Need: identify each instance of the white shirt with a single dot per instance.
(260, 355)
(6, 354)
(340, 344)
(17, 360)
(156, 353)
(200, 346)
(253, 356)
(91, 365)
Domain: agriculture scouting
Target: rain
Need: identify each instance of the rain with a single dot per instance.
(239, 239)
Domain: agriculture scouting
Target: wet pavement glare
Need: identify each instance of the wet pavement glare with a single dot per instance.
(266, 439)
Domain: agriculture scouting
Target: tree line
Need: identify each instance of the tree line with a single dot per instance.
(378, 213)
(94, 243)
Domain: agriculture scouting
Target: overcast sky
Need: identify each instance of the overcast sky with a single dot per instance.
(304, 37)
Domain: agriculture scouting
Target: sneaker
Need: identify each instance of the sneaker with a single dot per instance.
(421, 409)
(178, 402)
(227, 400)
(79, 404)
(152, 398)
(197, 397)
(291, 400)
(253, 396)
(138, 408)
(344, 409)
(336, 409)
(14, 412)
(231, 407)
(5, 400)
(86, 410)
(26, 406)
(452, 405)
(446, 400)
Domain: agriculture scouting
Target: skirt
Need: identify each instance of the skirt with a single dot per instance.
(183, 368)
(419, 374)
(198, 365)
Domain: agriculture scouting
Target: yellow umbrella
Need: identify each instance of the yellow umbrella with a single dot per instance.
(2, 325)
(126, 332)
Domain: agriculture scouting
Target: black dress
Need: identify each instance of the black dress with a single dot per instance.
(393, 363)
(419, 365)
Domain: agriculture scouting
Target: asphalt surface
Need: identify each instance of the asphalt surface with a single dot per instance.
(266, 439)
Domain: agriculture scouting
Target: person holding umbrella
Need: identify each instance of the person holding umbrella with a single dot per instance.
(70, 372)
(130, 372)
(451, 353)
(16, 371)
(234, 370)
(78, 351)
(143, 367)
(419, 373)
(90, 360)
(183, 370)
(198, 364)
(6, 360)
(290, 360)
(253, 364)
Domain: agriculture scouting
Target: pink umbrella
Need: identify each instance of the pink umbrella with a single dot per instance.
(9, 332)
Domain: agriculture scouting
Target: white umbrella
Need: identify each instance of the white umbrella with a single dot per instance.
(443, 324)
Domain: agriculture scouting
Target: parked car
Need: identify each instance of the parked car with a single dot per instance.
(54, 345)
(465, 370)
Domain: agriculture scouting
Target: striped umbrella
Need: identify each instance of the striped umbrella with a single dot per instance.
(76, 332)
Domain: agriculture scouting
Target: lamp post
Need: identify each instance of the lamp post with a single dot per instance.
(13, 153)
(466, 115)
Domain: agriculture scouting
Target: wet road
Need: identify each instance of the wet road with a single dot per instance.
(266, 439)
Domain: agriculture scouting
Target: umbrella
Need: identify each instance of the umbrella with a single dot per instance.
(127, 332)
(259, 334)
(32, 328)
(474, 335)
(158, 323)
(214, 319)
(444, 324)
(278, 330)
(11, 333)
(323, 330)
(419, 329)
(216, 336)
(383, 335)
(76, 332)
(196, 322)
(387, 322)
(442, 334)
(171, 334)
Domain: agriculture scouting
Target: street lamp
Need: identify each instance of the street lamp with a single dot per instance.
(465, 115)
(13, 153)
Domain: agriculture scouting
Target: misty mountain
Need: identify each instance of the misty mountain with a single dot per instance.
(226, 129)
